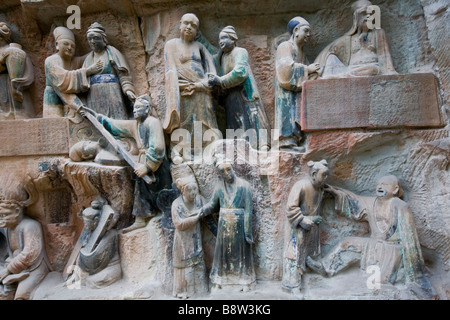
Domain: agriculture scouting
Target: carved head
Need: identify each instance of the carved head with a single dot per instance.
(300, 30)
(188, 187)
(86, 150)
(318, 172)
(96, 36)
(389, 187)
(189, 26)
(91, 215)
(65, 42)
(225, 168)
(142, 106)
(16, 193)
(227, 38)
(5, 32)
(360, 14)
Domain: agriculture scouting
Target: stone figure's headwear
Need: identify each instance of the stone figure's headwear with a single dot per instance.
(62, 33)
(98, 28)
(144, 98)
(231, 32)
(17, 189)
(355, 7)
(360, 4)
(183, 175)
(221, 159)
(316, 166)
(5, 32)
(295, 22)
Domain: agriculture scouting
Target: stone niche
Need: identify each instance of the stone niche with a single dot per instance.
(364, 127)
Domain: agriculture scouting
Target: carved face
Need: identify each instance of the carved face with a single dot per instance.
(9, 214)
(190, 192)
(225, 42)
(226, 171)
(301, 34)
(387, 187)
(66, 48)
(318, 177)
(189, 27)
(96, 42)
(362, 16)
(140, 109)
(90, 219)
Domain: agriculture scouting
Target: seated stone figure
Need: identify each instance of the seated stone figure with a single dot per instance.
(97, 252)
(393, 243)
(26, 264)
(360, 52)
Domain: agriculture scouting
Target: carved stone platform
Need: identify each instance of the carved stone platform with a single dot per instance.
(381, 102)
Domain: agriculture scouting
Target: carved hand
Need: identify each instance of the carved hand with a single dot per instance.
(95, 68)
(213, 79)
(312, 68)
(83, 110)
(4, 273)
(306, 223)
(141, 170)
(131, 95)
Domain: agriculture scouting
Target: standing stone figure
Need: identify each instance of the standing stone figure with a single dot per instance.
(233, 257)
(242, 101)
(97, 251)
(105, 95)
(16, 73)
(148, 134)
(189, 266)
(292, 69)
(26, 264)
(65, 76)
(393, 241)
(360, 52)
(304, 206)
(188, 93)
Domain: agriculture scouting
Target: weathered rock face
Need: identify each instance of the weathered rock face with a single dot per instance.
(358, 132)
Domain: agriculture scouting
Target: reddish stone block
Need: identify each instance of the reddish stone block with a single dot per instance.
(49, 136)
(381, 102)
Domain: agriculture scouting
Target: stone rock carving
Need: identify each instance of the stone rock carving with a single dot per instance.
(189, 266)
(304, 206)
(233, 257)
(242, 101)
(360, 52)
(188, 93)
(292, 69)
(16, 74)
(393, 241)
(96, 151)
(148, 134)
(106, 87)
(26, 264)
(96, 253)
(65, 76)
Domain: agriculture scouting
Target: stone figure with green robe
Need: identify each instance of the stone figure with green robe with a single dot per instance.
(240, 96)
(292, 69)
(108, 87)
